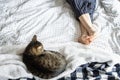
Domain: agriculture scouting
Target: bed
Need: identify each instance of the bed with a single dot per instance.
(54, 23)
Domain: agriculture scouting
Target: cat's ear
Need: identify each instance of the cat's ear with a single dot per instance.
(34, 39)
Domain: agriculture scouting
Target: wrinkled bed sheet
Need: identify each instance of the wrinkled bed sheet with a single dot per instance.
(54, 23)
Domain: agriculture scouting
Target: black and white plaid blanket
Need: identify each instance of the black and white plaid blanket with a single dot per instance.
(92, 71)
(95, 71)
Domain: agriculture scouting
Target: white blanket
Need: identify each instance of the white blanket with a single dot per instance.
(54, 23)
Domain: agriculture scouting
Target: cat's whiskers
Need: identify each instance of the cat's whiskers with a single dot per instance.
(37, 51)
(40, 49)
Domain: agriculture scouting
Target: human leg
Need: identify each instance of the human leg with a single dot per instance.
(83, 10)
(87, 24)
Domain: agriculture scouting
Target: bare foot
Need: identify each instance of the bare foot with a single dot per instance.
(87, 24)
(92, 32)
(84, 38)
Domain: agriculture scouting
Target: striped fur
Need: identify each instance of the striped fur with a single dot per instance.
(43, 63)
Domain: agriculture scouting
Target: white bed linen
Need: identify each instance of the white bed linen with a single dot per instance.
(54, 23)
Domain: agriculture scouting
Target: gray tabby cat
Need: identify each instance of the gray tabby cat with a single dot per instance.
(43, 63)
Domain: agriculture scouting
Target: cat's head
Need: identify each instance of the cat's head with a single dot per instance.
(34, 47)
